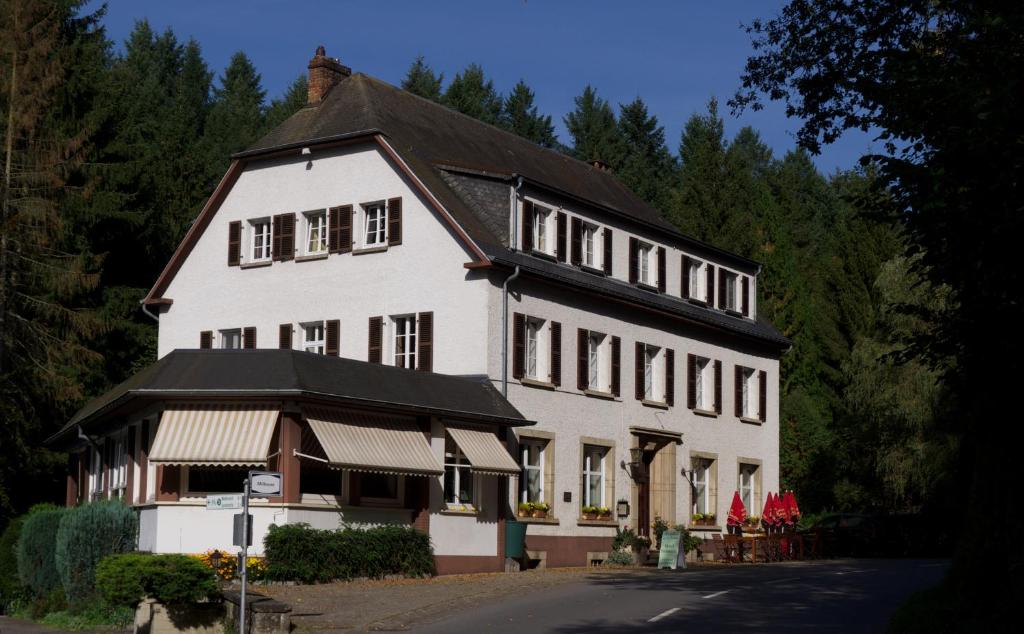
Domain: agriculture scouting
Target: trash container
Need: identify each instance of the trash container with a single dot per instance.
(515, 539)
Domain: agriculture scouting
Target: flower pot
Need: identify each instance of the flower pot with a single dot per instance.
(606, 517)
(525, 513)
(590, 516)
(539, 514)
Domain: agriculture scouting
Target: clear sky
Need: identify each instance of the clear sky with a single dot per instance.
(675, 55)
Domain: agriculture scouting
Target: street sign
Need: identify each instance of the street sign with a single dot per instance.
(668, 550)
(240, 526)
(224, 502)
(265, 483)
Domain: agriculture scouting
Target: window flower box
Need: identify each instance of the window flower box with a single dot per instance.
(540, 510)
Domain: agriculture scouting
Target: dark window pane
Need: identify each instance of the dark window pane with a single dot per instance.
(216, 479)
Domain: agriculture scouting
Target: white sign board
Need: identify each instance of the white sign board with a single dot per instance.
(218, 502)
(265, 483)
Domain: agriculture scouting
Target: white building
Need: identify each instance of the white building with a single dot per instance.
(380, 227)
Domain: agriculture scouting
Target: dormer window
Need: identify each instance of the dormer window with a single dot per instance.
(541, 217)
(259, 230)
(696, 275)
(645, 268)
(374, 224)
(730, 291)
(591, 254)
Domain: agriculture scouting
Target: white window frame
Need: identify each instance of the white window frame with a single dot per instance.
(747, 490)
(702, 384)
(537, 339)
(96, 472)
(315, 242)
(457, 461)
(404, 339)
(701, 502)
(653, 374)
(261, 230)
(226, 335)
(528, 445)
(731, 294)
(591, 255)
(644, 270)
(697, 279)
(598, 378)
(749, 393)
(317, 345)
(589, 471)
(542, 230)
(119, 468)
(375, 224)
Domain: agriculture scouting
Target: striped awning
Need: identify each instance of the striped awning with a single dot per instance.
(484, 451)
(372, 442)
(214, 435)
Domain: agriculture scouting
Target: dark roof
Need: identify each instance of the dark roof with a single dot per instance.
(193, 374)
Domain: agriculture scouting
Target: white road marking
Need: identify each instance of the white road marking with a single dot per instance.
(669, 612)
(715, 594)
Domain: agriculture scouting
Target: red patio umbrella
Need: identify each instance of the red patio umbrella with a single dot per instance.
(768, 514)
(737, 512)
(790, 500)
(781, 512)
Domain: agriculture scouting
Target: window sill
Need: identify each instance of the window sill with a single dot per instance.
(255, 265)
(608, 396)
(705, 412)
(366, 250)
(751, 421)
(547, 385)
(655, 404)
(697, 302)
(311, 257)
(733, 313)
(609, 523)
(647, 287)
(592, 270)
(458, 513)
(544, 255)
(550, 521)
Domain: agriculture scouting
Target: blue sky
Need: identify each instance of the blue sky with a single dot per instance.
(675, 55)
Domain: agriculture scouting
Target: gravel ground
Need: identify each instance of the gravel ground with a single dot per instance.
(396, 605)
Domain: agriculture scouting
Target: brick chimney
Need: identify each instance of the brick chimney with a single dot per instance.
(324, 73)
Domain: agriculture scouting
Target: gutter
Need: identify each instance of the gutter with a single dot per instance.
(504, 289)
(145, 309)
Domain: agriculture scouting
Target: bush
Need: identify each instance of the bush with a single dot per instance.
(296, 552)
(124, 580)
(88, 534)
(37, 567)
(11, 589)
(225, 565)
(619, 558)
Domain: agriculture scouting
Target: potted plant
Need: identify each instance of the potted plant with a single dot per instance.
(642, 547)
(604, 513)
(589, 512)
(540, 509)
(525, 509)
(751, 524)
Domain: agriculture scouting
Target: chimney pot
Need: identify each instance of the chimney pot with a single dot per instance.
(324, 73)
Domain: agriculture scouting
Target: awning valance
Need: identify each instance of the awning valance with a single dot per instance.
(213, 435)
(372, 442)
(484, 451)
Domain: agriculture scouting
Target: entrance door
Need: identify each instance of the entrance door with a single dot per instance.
(656, 490)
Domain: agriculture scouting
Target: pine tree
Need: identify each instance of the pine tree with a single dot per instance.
(594, 130)
(288, 104)
(698, 205)
(520, 115)
(421, 80)
(471, 93)
(647, 166)
(236, 117)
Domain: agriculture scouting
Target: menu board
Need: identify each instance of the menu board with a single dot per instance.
(668, 552)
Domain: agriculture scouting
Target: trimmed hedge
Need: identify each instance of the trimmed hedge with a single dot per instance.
(297, 552)
(11, 589)
(87, 534)
(124, 580)
(37, 567)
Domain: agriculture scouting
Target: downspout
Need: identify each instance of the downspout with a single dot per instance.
(145, 309)
(504, 290)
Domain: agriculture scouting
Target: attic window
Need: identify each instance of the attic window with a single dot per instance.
(541, 241)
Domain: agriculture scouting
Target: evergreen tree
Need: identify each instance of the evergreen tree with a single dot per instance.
(288, 104)
(421, 80)
(594, 130)
(471, 93)
(236, 117)
(698, 207)
(647, 165)
(520, 115)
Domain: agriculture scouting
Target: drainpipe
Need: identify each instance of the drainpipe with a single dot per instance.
(504, 289)
(514, 238)
(145, 309)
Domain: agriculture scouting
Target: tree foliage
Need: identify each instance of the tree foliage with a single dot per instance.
(594, 130)
(421, 80)
(521, 116)
(473, 94)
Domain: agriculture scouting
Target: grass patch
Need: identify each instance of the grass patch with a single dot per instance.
(96, 617)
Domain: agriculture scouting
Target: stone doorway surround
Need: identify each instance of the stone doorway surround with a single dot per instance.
(654, 490)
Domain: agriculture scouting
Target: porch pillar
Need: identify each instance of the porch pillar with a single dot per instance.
(168, 483)
(288, 442)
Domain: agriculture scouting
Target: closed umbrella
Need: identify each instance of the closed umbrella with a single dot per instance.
(737, 512)
(794, 510)
(781, 514)
(768, 514)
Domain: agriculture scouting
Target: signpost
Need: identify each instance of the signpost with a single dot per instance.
(224, 502)
(668, 550)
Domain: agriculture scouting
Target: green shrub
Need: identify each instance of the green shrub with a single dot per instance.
(88, 534)
(124, 580)
(37, 568)
(296, 552)
(11, 589)
(619, 558)
(96, 616)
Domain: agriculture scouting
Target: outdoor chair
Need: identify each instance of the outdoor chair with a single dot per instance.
(733, 548)
(718, 550)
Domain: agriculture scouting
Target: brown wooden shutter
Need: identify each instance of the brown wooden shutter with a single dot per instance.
(518, 345)
(425, 342)
(234, 243)
(670, 376)
(685, 277)
(607, 260)
(661, 269)
(638, 372)
(718, 387)
(339, 233)
(275, 239)
(249, 338)
(634, 248)
(737, 393)
(710, 290)
(745, 291)
(556, 353)
(762, 395)
(284, 336)
(284, 237)
(394, 221)
(582, 358)
(691, 381)
(375, 352)
(616, 365)
(576, 251)
(332, 337)
(560, 250)
(527, 226)
(206, 339)
(722, 303)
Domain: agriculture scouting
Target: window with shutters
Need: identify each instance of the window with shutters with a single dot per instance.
(594, 476)
(313, 337)
(748, 393)
(591, 256)
(459, 479)
(730, 287)
(259, 240)
(599, 372)
(696, 275)
(315, 242)
(375, 223)
(704, 384)
(537, 349)
(531, 485)
(542, 240)
(653, 375)
(404, 341)
(645, 264)
(231, 339)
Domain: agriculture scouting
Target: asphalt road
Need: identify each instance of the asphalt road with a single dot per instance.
(822, 596)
